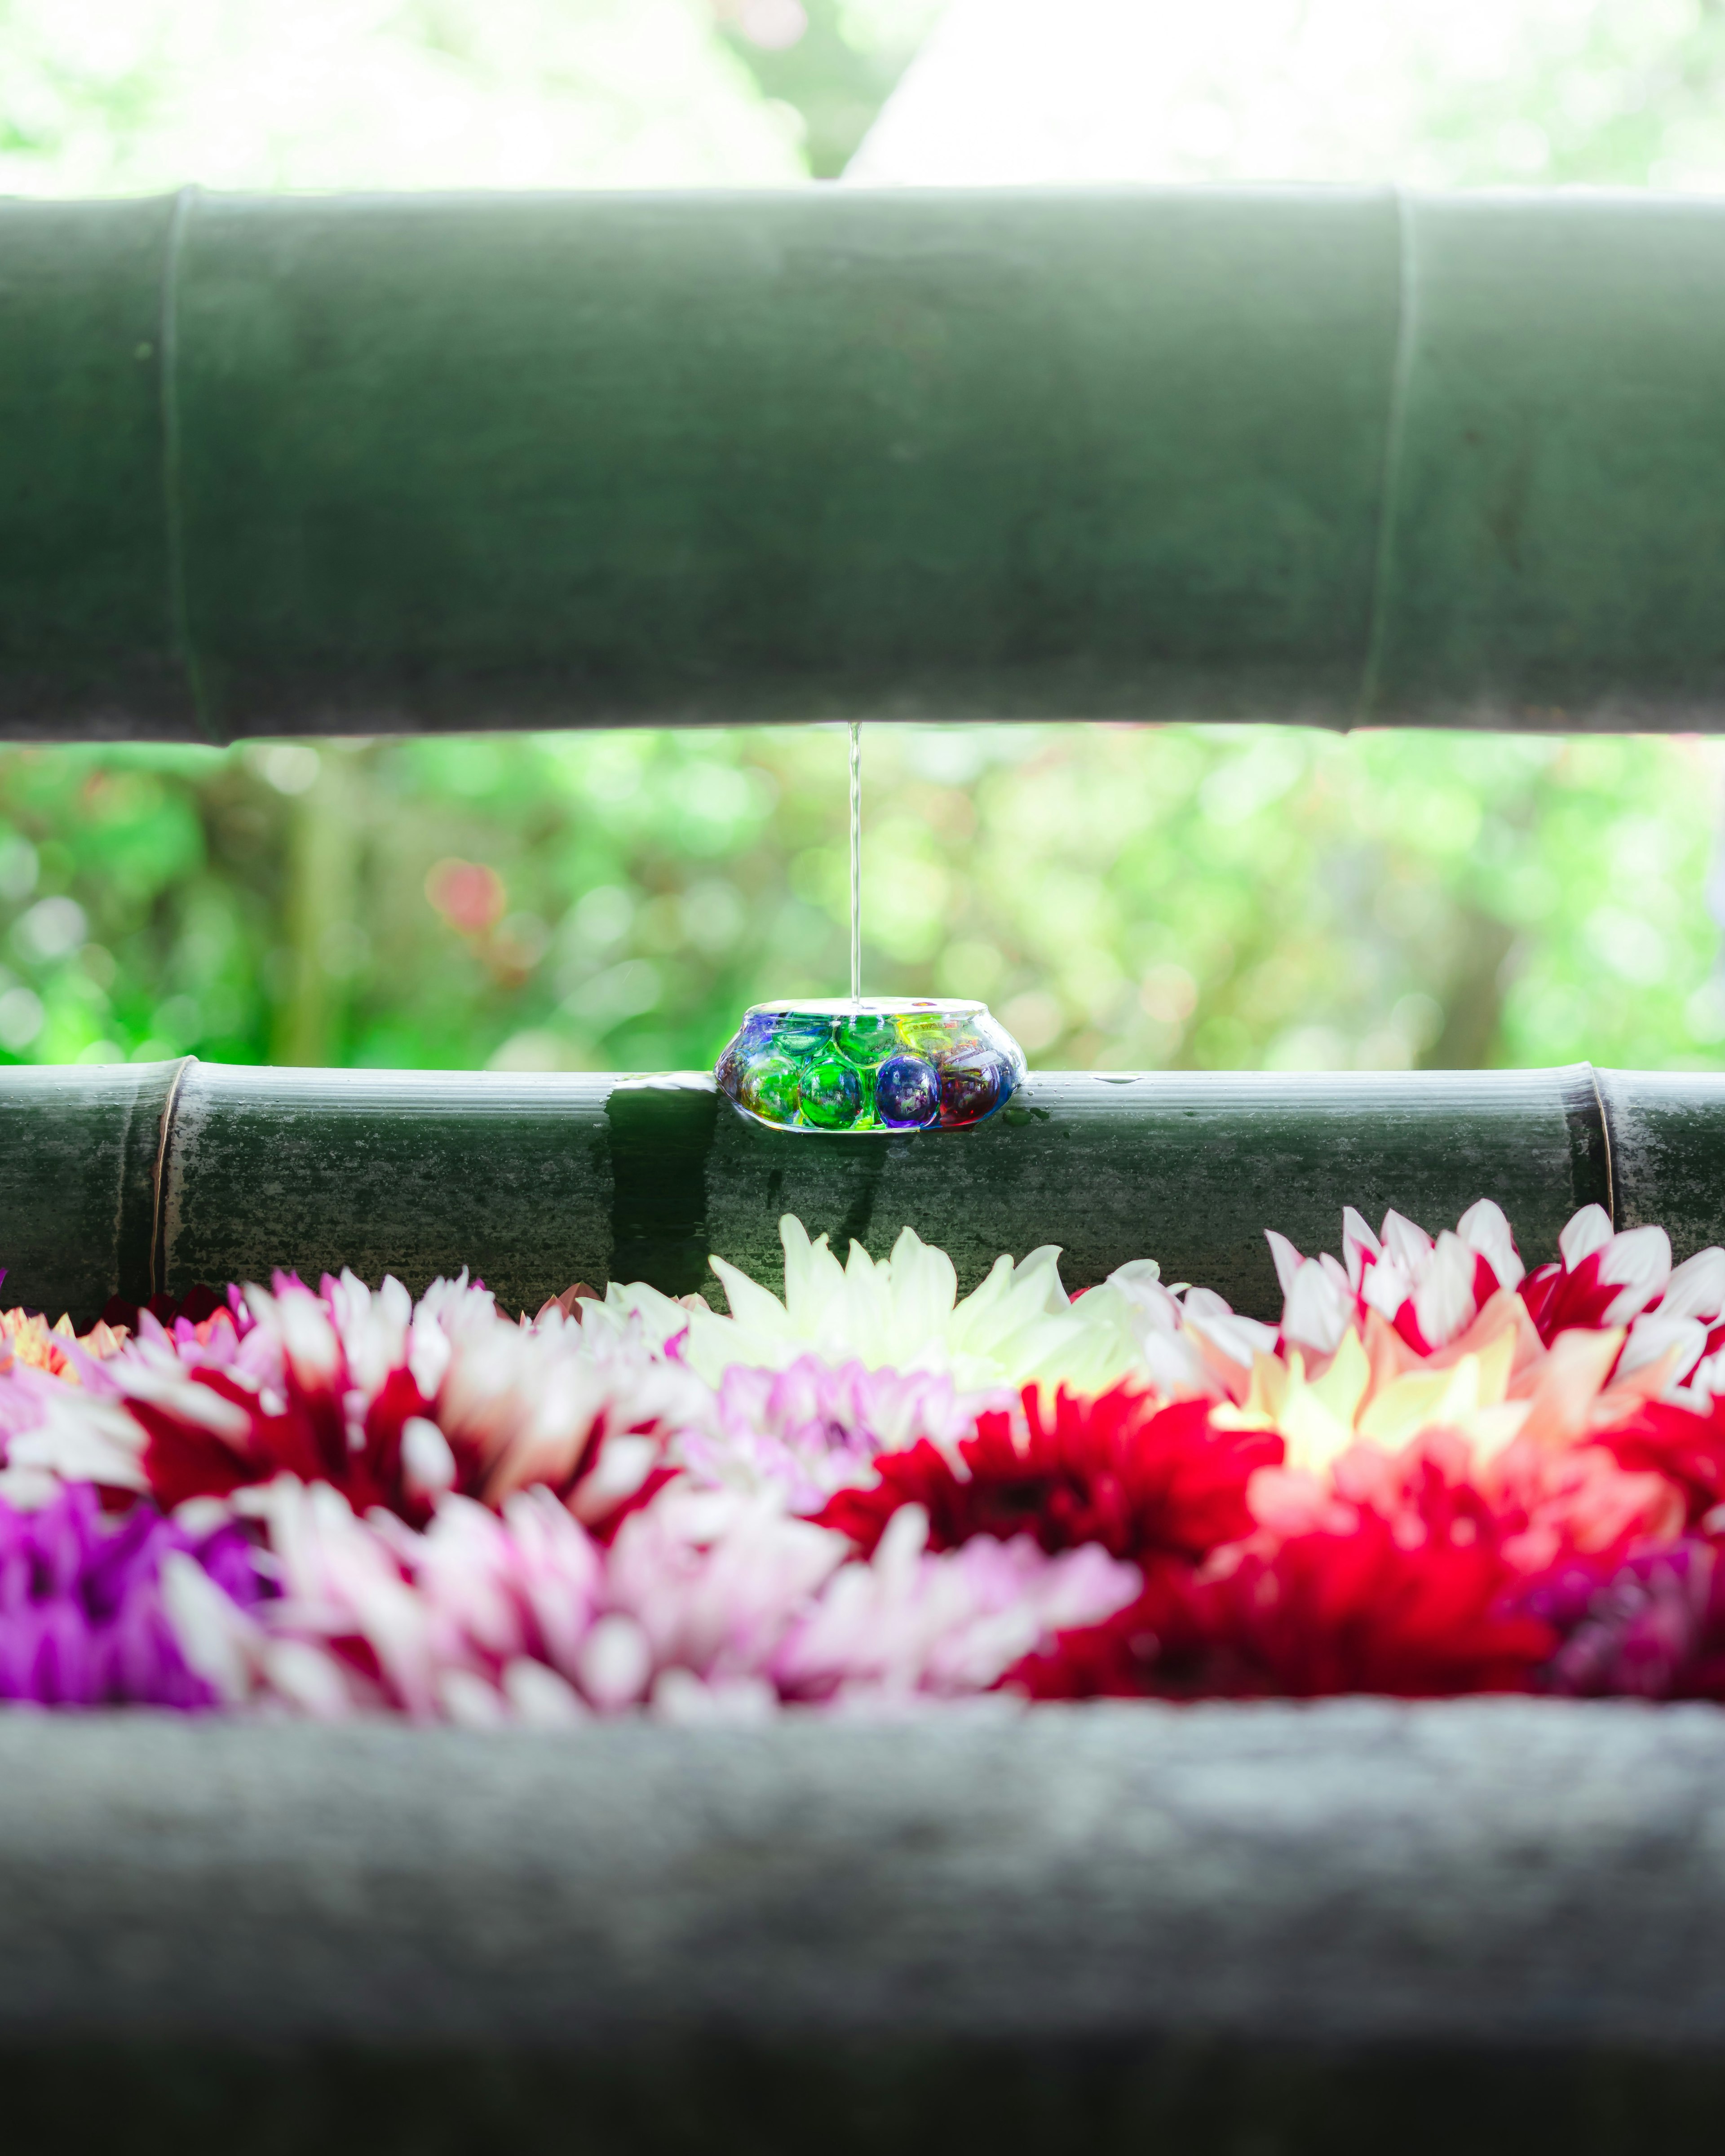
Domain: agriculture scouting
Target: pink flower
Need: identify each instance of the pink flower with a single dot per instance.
(908, 1623)
(390, 1402)
(714, 1579)
(1430, 1292)
(810, 1429)
(482, 1619)
(708, 1603)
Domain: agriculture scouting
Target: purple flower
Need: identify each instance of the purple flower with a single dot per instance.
(81, 1616)
(1644, 1633)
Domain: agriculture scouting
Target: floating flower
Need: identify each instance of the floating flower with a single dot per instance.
(1654, 1629)
(1351, 1366)
(123, 1316)
(1125, 1471)
(903, 1312)
(482, 1619)
(1435, 1473)
(28, 1341)
(1603, 1279)
(1429, 1292)
(1408, 1592)
(707, 1602)
(908, 1624)
(810, 1430)
(1599, 1278)
(1680, 1439)
(390, 1402)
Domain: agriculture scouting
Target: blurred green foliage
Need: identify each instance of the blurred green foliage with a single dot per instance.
(107, 96)
(834, 62)
(1126, 897)
(1584, 91)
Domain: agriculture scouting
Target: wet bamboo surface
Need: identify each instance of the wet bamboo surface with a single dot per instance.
(131, 1178)
(377, 464)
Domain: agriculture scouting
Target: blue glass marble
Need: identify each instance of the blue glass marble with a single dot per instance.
(907, 1092)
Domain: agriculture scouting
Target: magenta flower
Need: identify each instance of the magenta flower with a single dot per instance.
(82, 1622)
(1655, 1630)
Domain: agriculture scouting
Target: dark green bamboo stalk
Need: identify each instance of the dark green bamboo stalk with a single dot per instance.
(387, 463)
(135, 1179)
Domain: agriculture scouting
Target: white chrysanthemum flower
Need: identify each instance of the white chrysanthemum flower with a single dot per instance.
(903, 1312)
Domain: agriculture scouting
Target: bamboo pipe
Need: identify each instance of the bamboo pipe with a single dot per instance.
(133, 1178)
(369, 463)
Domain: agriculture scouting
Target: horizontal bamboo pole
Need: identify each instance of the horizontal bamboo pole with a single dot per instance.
(136, 1178)
(1489, 1925)
(363, 464)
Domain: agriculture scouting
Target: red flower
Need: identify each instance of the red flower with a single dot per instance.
(1360, 1612)
(1163, 1644)
(303, 1431)
(1560, 1301)
(1600, 1279)
(1687, 1449)
(1122, 1470)
(1416, 1600)
(196, 1306)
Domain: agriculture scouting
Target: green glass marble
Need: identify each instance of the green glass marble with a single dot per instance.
(866, 1039)
(770, 1089)
(802, 1036)
(925, 1033)
(831, 1092)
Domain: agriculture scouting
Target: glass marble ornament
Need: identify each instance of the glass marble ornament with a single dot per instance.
(872, 1064)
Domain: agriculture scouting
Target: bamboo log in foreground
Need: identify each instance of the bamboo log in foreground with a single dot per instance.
(1489, 1925)
(132, 1178)
(381, 464)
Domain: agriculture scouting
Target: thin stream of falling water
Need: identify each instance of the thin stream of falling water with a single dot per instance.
(855, 862)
